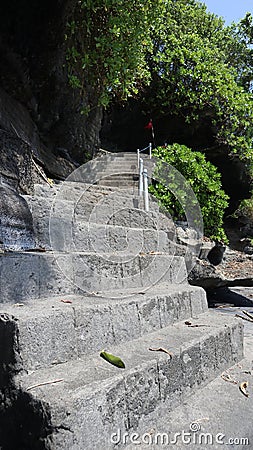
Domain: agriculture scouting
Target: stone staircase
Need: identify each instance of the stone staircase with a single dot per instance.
(104, 275)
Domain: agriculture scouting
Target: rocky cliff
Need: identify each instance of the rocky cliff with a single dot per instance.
(39, 112)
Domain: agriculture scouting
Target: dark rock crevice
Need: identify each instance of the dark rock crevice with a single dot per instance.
(25, 422)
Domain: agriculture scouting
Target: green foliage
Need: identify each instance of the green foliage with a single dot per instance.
(107, 43)
(195, 67)
(205, 182)
(195, 73)
(246, 209)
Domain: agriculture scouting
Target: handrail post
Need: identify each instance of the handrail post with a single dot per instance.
(141, 177)
(138, 157)
(150, 150)
(145, 183)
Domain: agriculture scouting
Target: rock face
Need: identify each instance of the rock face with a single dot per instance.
(16, 168)
(16, 224)
(38, 107)
(41, 128)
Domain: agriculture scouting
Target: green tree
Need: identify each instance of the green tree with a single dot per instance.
(195, 66)
(194, 74)
(107, 43)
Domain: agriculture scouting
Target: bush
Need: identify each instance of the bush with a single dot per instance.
(204, 180)
(245, 209)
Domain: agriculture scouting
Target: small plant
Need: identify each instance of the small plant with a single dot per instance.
(246, 209)
(204, 180)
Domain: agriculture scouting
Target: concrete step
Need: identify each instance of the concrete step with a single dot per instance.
(80, 191)
(92, 237)
(78, 199)
(91, 171)
(87, 218)
(93, 400)
(69, 188)
(122, 168)
(216, 415)
(108, 238)
(124, 155)
(118, 183)
(51, 331)
(27, 275)
(118, 176)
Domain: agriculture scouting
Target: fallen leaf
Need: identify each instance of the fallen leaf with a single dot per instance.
(44, 384)
(161, 349)
(36, 249)
(112, 359)
(154, 253)
(203, 419)
(243, 388)
(244, 318)
(228, 378)
(248, 314)
(189, 324)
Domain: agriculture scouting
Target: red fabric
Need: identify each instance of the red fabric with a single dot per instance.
(149, 126)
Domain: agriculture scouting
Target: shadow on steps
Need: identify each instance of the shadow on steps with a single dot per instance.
(228, 296)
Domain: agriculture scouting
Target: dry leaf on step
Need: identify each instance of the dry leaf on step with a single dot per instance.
(243, 388)
(154, 253)
(161, 349)
(227, 377)
(189, 324)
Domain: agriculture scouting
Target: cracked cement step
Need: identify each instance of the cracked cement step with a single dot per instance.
(219, 412)
(44, 206)
(88, 230)
(64, 218)
(78, 198)
(95, 399)
(72, 186)
(52, 331)
(118, 183)
(25, 275)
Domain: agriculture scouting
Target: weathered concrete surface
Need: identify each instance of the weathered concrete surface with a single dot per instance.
(123, 298)
(92, 225)
(36, 275)
(95, 399)
(221, 415)
(51, 332)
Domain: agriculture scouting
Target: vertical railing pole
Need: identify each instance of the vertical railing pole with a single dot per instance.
(141, 177)
(145, 187)
(138, 157)
(150, 150)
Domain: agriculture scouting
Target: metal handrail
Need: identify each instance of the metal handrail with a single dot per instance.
(145, 190)
(149, 147)
(141, 177)
(143, 185)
